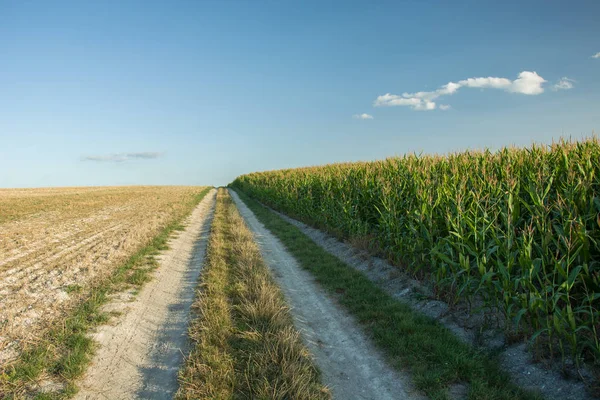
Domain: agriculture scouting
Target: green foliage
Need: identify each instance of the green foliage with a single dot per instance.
(436, 359)
(519, 228)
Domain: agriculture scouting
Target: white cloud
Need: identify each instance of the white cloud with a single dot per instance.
(486, 83)
(121, 157)
(445, 107)
(362, 116)
(529, 83)
(425, 105)
(563, 84)
(393, 100)
(597, 55)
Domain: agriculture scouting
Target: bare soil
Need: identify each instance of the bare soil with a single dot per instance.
(351, 366)
(140, 352)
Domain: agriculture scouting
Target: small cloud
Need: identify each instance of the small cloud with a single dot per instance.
(597, 55)
(563, 84)
(425, 105)
(527, 82)
(362, 116)
(445, 107)
(121, 157)
(145, 155)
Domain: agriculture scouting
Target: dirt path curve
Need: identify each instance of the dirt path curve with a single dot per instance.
(140, 355)
(352, 368)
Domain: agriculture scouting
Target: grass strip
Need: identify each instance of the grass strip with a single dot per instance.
(435, 358)
(209, 370)
(65, 351)
(244, 342)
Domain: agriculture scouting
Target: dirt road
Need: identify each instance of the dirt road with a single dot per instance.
(141, 352)
(352, 368)
(515, 358)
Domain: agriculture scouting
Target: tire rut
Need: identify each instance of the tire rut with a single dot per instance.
(139, 356)
(351, 366)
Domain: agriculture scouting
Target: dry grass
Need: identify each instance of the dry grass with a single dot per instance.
(57, 242)
(245, 344)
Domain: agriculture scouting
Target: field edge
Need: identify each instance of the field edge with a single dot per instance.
(64, 352)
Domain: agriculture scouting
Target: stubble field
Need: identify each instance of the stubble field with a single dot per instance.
(55, 243)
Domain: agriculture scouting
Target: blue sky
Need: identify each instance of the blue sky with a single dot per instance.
(198, 92)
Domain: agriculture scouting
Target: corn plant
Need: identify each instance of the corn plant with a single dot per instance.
(518, 229)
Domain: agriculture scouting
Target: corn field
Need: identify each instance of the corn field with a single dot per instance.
(517, 230)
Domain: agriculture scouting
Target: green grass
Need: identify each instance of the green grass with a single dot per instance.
(435, 358)
(66, 350)
(244, 343)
